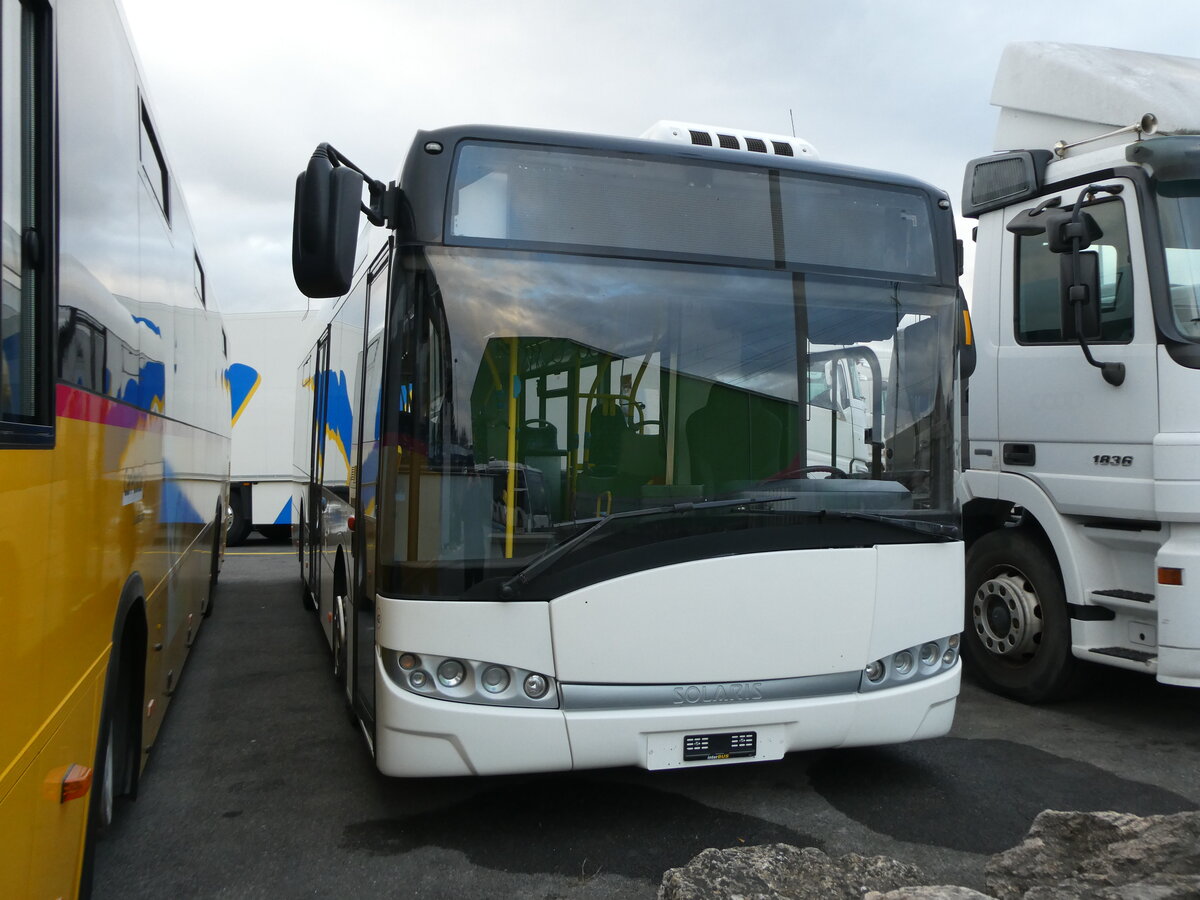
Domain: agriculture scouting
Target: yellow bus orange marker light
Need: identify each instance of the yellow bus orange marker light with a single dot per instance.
(75, 783)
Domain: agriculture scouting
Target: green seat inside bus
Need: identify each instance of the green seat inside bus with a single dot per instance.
(734, 441)
(622, 461)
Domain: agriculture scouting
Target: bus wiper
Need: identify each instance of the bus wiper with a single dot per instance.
(509, 587)
(919, 525)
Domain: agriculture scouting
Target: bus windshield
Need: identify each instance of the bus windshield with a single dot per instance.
(537, 393)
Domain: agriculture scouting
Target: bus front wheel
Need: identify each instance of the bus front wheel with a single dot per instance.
(214, 568)
(339, 639)
(239, 528)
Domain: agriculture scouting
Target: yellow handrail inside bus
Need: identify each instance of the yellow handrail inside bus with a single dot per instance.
(510, 500)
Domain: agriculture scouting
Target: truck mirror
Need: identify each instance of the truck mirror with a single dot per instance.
(1028, 222)
(325, 227)
(1082, 294)
(841, 386)
(1061, 230)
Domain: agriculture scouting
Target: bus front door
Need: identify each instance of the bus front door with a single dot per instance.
(313, 529)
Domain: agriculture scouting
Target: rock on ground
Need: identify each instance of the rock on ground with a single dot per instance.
(784, 872)
(929, 892)
(1074, 854)
(1065, 856)
(1157, 887)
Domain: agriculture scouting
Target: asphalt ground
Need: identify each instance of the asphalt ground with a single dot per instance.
(259, 786)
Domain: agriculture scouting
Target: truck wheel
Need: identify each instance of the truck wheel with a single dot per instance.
(1018, 633)
(239, 528)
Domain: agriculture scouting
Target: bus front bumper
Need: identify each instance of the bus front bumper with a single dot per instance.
(418, 736)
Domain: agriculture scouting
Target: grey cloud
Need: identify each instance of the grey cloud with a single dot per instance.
(242, 92)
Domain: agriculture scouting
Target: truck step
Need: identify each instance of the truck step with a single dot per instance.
(1135, 596)
(1140, 656)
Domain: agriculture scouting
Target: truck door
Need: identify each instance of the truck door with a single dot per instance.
(1086, 442)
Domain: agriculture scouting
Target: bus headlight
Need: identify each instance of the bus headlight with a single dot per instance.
(462, 680)
(536, 686)
(495, 679)
(451, 673)
(910, 664)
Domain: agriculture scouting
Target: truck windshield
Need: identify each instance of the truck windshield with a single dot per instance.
(530, 394)
(1179, 216)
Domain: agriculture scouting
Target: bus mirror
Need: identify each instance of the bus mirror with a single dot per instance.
(966, 340)
(325, 227)
(1083, 292)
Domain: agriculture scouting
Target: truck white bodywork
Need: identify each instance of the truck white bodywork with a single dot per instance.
(263, 352)
(1081, 495)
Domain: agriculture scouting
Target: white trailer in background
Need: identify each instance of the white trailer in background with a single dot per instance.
(1081, 500)
(263, 358)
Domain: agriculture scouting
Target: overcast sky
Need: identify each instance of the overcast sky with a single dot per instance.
(244, 89)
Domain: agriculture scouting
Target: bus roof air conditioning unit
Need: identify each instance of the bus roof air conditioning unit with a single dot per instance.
(730, 139)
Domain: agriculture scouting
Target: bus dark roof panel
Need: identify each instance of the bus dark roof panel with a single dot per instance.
(449, 137)
(427, 170)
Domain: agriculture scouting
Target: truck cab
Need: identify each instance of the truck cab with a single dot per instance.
(1081, 483)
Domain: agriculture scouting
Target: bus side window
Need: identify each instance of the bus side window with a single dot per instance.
(25, 321)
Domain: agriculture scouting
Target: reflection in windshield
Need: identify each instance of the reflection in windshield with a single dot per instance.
(549, 390)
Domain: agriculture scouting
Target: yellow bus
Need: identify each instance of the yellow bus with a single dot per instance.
(114, 436)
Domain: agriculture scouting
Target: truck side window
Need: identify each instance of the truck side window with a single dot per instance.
(1038, 315)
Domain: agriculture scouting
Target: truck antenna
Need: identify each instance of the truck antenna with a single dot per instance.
(793, 118)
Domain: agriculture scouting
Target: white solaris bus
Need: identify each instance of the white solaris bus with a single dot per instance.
(629, 452)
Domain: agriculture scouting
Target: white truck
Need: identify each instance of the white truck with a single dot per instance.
(1081, 491)
(264, 354)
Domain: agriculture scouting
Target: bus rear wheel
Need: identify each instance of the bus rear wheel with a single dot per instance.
(1017, 641)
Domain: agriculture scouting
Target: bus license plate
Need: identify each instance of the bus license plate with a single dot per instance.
(730, 745)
